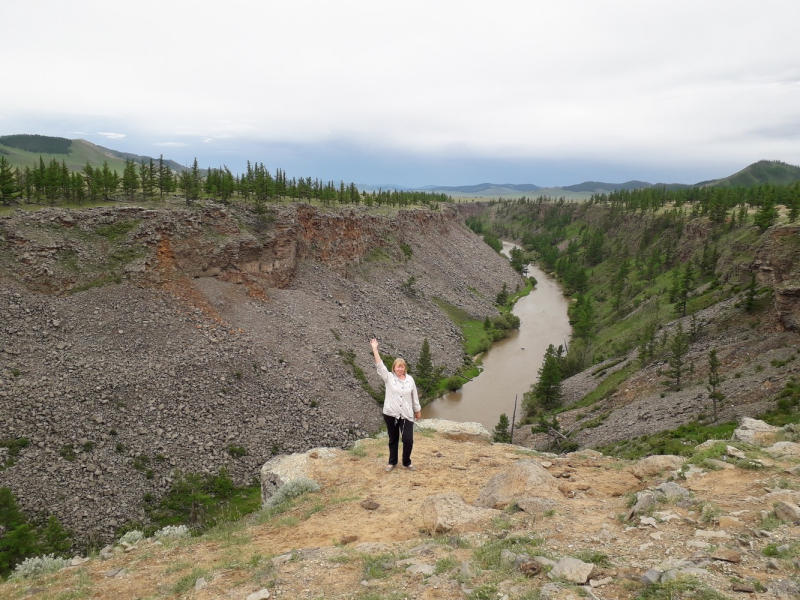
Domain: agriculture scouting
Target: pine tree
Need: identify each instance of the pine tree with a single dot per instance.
(423, 373)
(546, 393)
(148, 185)
(618, 284)
(766, 215)
(130, 180)
(684, 283)
(8, 185)
(502, 296)
(714, 381)
(91, 181)
(678, 349)
(501, 434)
(165, 178)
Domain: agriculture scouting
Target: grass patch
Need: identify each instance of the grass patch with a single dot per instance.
(377, 255)
(115, 230)
(349, 358)
(489, 555)
(185, 583)
(358, 451)
(595, 557)
(680, 441)
(14, 446)
(378, 566)
(607, 387)
(205, 501)
(95, 283)
(684, 587)
(784, 551)
(443, 565)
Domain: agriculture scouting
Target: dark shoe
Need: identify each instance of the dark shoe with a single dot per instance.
(411, 468)
(389, 468)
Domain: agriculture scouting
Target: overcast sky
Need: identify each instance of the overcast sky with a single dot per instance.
(415, 92)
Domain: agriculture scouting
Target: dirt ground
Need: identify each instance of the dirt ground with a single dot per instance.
(322, 547)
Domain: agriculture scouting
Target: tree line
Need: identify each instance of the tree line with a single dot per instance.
(54, 182)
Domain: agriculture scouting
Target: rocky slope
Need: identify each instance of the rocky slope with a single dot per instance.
(138, 341)
(479, 520)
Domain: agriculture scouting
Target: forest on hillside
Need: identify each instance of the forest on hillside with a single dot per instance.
(634, 261)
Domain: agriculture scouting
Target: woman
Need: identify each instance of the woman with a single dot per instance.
(400, 407)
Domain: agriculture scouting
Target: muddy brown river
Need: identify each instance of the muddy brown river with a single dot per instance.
(511, 365)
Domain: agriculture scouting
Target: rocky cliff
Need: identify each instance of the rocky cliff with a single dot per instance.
(138, 341)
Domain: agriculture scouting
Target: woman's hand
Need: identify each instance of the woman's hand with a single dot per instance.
(418, 415)
(374, 343)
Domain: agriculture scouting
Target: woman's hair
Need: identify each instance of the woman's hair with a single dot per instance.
(399, 361)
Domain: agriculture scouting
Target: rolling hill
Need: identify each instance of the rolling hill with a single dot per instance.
(763, 171)
(25, 150)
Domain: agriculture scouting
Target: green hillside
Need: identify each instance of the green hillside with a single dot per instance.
(25, 150)
(773, 172)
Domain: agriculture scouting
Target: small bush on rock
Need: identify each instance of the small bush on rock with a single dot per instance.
(38, 565)
(172, 532)
(293, 489)
(132, 537)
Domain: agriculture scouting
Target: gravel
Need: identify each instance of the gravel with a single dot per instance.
(219, 348)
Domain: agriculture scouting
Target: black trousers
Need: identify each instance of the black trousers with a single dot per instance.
(396, 426)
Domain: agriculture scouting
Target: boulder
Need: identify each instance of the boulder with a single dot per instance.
(525, 479)
(787, 512)
(755, 432)
(644, 502)
(572, 570)
(449, 512)
(279, 471)
(462, 432)
(655, 465)
(670, 489)
(784, 449)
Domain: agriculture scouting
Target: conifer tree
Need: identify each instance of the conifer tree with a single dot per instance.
(502, 296)
(144, 178)
(165, 178)
(766, 215)
(130, 180)
(546, 393)
(423, 372)
(501, 434)
(678, 349)
(8, 185)
(714, 380)
(92, 186)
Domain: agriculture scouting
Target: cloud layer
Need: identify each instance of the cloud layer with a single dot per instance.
(527, 89)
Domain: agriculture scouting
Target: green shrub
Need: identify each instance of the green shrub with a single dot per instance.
(237, 451)
(132, 537)
(36, 566)
(67, 452)
(454, 383)
(295, 487)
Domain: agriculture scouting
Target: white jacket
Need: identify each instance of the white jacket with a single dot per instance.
(401, 399)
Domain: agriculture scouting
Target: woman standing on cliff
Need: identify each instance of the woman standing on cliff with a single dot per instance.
(400, 407)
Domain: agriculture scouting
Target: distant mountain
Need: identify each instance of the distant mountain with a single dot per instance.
(24, 151)
(600, 187)
(763, 171)
(483, 187)
(374, 187)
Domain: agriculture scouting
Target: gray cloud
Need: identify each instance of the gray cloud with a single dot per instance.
(662, 85)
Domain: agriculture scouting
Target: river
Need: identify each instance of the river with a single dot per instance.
(511, 365)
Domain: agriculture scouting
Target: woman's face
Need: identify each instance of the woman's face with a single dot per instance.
(399, 369)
